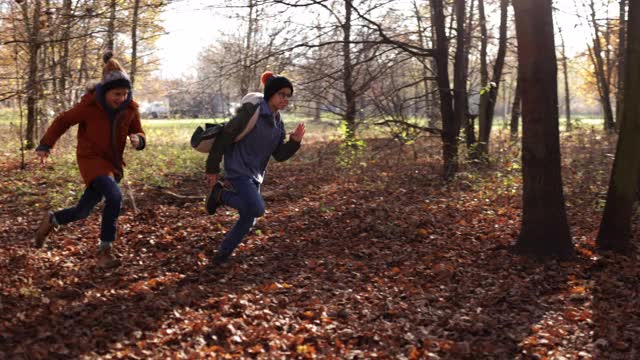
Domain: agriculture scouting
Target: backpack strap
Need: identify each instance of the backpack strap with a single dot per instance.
(250, 125)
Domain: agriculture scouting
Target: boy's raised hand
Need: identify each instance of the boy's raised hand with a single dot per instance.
(43, 155)
(298, 133)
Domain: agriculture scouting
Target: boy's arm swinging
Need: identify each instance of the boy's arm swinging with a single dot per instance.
(286, 150)
(60, 125)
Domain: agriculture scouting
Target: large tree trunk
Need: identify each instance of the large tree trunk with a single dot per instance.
(515, 110)
(601, 74)
(615, 228)
(347, 74)
(449, 136)
(134, 42)
(622, 46)
(33, 31)
(544, 229)
(489, 96)
(450, 129)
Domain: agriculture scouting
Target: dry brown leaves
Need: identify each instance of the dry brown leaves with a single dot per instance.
(381, 259)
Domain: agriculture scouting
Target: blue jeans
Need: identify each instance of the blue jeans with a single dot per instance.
(102, 186)
(247, 200)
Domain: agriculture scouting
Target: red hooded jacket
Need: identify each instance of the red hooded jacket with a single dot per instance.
(96, 155)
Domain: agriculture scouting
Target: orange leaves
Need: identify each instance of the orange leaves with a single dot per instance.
(577, 315)
(309, 315)
(276, 287)
(309, 350)
(348, 264)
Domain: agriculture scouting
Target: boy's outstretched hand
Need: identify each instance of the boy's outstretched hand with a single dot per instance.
(298, 133)
(43, 155)
(135, 140)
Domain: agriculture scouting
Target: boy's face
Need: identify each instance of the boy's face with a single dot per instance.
(280, 100)
(115, 97)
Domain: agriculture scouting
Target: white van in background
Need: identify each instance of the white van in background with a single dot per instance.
(155, 110)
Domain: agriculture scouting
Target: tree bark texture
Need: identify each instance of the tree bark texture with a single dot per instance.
(622, 46)
(515, 111)
(615, 228)
(459, 85)
(449, 137)
(347, 73)
(111, 26)
(248, 72)
(33, 31)
(134, 42)
(488, 98)
(601, 74)
(565, 74)
(544, 230)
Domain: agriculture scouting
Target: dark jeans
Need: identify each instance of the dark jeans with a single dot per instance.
(247, 200)
(102, 186)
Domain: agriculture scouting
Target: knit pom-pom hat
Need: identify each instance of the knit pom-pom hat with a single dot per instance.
(273, 83)
(113, 75)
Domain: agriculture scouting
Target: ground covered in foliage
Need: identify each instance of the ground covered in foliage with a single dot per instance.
(359, 256)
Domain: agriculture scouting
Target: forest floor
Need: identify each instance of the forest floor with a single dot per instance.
(359, 256)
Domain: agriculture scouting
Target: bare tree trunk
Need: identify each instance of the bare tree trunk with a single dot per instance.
(605, 97)
(347, 76)
(435, 115)
(449, 136)
(565, 73)
(63, 64)
(622, 46)
(615, 228)
(469, 119)
(424, 68)
(484, 75)
(484, 69)
(515, 110)
(83, 74)
(544, 230)
(134, 42)
(490, 95)
(316, 111)
(111, 27)
(19, 91)
(248, 72)
(505, 102)
(459, 73)
(33, 31)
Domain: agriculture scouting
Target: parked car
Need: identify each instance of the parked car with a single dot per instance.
(156, 110)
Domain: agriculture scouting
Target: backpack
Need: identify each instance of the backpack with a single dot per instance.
(202, 140)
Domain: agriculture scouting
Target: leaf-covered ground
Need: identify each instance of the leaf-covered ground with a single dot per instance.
(375, 259)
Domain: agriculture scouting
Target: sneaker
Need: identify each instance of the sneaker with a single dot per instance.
(45, 228)
(220, 258)
(106, 260)
(215, 198)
